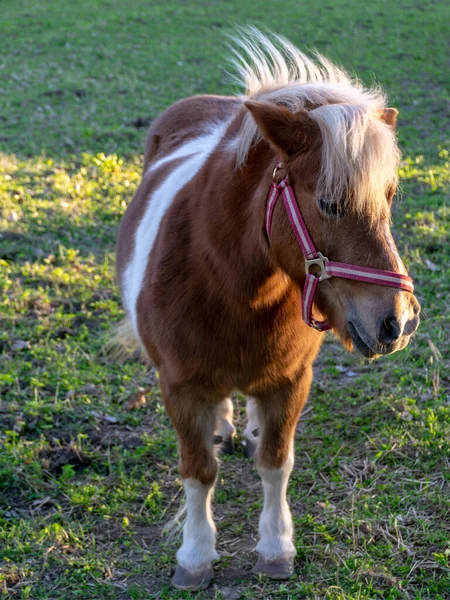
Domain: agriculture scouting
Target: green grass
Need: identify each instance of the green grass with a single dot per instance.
(87, 485)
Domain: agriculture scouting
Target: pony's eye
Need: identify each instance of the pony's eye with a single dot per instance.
(331, 208)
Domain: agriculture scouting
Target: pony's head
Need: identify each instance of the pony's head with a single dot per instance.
(338, 148)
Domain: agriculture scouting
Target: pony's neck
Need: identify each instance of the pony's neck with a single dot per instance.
(237, 226)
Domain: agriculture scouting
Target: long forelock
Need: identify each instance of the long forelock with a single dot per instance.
(360, 155)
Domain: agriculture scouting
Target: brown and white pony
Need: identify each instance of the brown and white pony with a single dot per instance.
(216, 301)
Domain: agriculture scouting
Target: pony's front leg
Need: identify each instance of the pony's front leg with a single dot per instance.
(194, 416)
(279, 413)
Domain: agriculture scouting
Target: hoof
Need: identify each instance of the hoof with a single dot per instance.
(198, 580)
(280, 568)
(226, 445)
(250, 448)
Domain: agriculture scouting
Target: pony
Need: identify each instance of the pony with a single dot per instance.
(261, 221)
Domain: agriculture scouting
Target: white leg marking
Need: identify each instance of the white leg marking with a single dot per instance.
(275, 524)
(252, 421)
(199, 532)
(224, 419)
(157, 207)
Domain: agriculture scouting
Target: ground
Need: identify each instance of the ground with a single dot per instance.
(86, 484)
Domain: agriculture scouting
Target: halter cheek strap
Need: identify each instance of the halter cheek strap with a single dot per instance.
(313, 257)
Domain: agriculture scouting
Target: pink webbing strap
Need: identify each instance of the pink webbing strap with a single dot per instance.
(389, 278)
(313, 257)
(309, 289)
(297, 222)
(271, 202)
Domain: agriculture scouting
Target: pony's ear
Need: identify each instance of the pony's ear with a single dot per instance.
(289, 132)
(389, 116)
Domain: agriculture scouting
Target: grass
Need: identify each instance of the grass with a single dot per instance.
(86, 484)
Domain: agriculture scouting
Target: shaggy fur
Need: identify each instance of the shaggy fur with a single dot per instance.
(359, 151)
(218, 305)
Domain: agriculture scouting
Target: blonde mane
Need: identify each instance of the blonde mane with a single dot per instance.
(360, 155)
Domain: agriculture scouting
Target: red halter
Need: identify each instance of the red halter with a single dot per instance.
(327, 267)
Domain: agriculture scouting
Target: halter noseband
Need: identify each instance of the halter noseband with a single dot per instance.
(327, 267)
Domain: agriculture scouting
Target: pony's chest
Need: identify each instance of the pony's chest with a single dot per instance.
(276, 351)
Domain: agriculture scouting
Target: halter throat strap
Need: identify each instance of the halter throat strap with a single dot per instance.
(313, 257)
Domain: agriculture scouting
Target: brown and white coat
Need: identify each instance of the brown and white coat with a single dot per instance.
(217, 307)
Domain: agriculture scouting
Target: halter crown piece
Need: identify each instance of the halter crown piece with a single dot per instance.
(313, 257)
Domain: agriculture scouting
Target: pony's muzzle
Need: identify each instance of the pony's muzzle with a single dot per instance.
(386, 334)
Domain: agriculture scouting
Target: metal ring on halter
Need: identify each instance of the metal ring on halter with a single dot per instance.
(277, 167)
(320, 261)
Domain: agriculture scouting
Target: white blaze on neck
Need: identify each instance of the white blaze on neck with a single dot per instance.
(196, 153)
(191, 147)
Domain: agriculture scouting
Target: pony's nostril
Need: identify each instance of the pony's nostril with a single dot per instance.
(411, 326)
(390, 330)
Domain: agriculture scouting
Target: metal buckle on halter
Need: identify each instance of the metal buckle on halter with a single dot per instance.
(320, 262)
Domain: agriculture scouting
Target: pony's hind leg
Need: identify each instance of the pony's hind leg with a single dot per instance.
(252, 429)
(279, 414)
(193, 415)
(225, 430)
